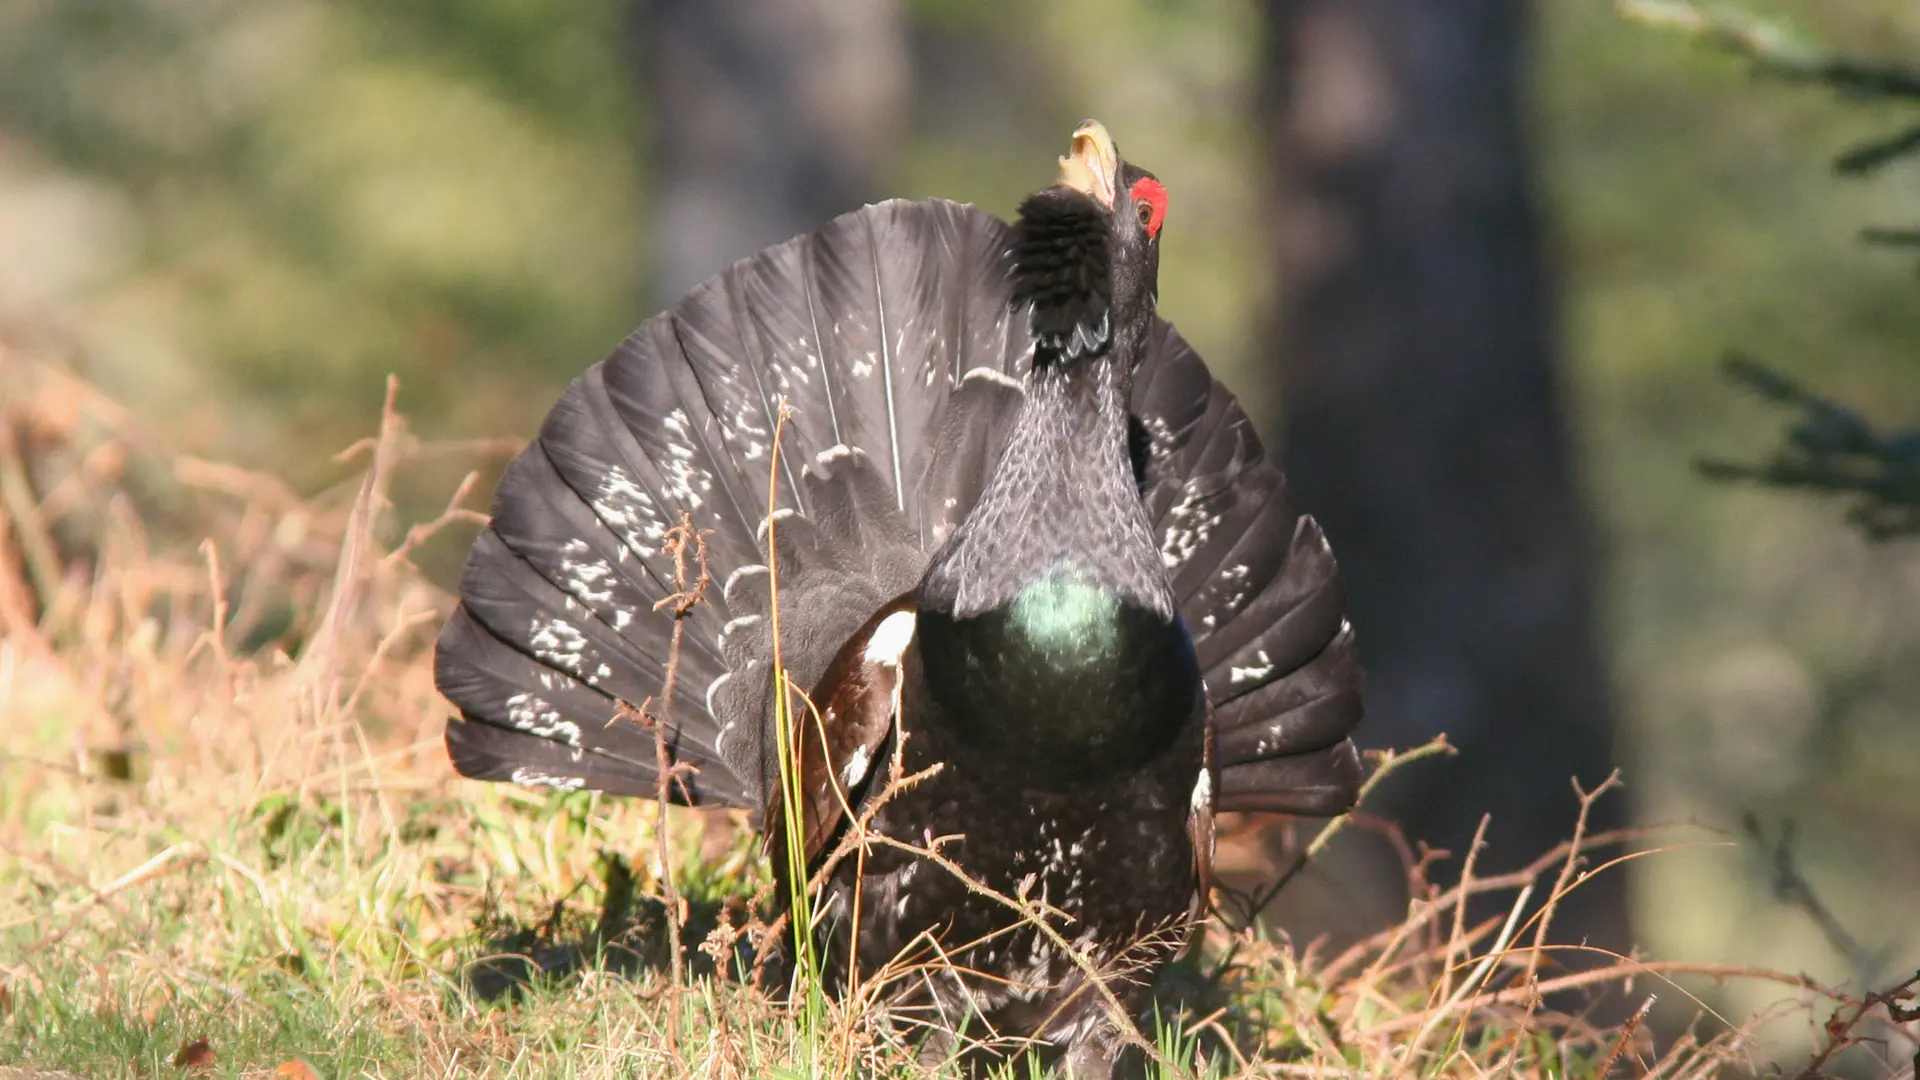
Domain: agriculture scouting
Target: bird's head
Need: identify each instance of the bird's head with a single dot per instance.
(1086, 251)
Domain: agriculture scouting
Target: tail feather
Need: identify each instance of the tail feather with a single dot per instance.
(734, 351)
(1318, 784)
(1242, 570)
(894, 268)
(545, 524)
(544, 727)
(1260, 592)
(685, 412)
(1311, 709)
(1294, 615)
(506, 595)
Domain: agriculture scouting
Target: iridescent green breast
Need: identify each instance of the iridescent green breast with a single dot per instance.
(1069, 622)
(1066, 681)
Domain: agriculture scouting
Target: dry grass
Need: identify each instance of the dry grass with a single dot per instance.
(225, 815)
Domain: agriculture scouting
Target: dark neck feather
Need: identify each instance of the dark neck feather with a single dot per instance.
(1062, 501)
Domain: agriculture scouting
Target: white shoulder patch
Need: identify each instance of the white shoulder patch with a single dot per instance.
(1203, 792)
(890, 639)
(856, 767)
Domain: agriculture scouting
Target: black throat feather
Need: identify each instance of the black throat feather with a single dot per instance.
(1063, 273)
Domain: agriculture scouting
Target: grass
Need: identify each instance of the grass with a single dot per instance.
(230, 844)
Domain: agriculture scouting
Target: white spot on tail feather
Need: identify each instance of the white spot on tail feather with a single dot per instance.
(527, 777)
(537, 716)
(1251, 672)
(685, 482)
(1236, 576)
(558, 642)
(629, 511)
(1159, 434)
(591, 581)
(1189, 524)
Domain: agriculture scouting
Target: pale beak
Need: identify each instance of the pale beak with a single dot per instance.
(1093, 166)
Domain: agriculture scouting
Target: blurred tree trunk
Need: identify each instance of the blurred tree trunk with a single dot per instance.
(768, 116)
(1426, 426)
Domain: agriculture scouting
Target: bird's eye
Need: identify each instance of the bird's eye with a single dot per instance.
(1150, 202)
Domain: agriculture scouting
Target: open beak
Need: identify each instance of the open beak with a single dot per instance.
(1093, 166)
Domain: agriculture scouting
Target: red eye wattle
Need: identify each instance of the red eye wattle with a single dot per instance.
(1150, 199)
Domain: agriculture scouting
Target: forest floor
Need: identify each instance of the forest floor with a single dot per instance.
(231, 845)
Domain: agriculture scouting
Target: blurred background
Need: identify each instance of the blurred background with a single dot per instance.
(1471, 265)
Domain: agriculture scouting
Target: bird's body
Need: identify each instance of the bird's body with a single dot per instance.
(1115, 854)
(1021, 535)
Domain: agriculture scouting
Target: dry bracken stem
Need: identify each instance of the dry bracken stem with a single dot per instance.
(1472, 982)
(1564, 883)
(1561, 886)
(403, 625)
(320, 661)
(1626, 1036)
(1840, 1032)
(1390, 761)
(688, 594)
(427, 530)
(41, 555)
(1494, 883)
(1626, 968)
(1455, 939)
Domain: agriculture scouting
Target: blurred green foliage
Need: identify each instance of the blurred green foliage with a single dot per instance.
(311, 195)
(1830, 448)
(244, 212)
(1768, 655)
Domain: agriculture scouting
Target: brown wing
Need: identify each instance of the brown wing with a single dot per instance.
(843, 728)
